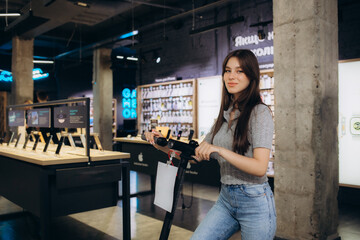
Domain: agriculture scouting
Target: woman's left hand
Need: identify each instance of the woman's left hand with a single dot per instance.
(203, 151)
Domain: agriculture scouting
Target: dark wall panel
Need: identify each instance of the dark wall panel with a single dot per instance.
(349, 30)
(73, 78)
(199, 55)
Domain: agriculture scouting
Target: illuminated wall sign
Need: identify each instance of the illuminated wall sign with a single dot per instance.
(166, 79)
(39, 74)
(262, 48)
(241, 41)
(129, 103)
(6, 76)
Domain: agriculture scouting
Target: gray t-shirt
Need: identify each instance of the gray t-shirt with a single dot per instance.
(260, 134)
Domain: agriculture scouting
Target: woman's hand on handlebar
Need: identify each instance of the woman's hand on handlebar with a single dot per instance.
(203, 151)
(150, 136)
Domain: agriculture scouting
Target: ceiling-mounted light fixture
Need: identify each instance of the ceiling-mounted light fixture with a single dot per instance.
(132, 58)
(81, 4)
(120, 57)
(10, 14)
(261, 34)
(129, 34)
(43, 61)
(261, 26)
(156, 57)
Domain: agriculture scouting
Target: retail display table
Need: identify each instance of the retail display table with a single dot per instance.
(50, 185)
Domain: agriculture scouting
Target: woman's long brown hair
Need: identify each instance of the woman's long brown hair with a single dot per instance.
(246, 101)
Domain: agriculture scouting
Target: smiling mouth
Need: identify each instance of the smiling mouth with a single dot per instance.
(232, 84)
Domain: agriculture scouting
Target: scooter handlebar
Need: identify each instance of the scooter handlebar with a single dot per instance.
(161, 141)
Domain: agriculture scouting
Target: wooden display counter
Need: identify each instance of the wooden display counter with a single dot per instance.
(40, 158)
(67, 155)
(136, 139)
(50, 185)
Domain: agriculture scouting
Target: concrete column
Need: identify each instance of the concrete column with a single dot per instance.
(306, 118)
(22, 87)
(103, 94)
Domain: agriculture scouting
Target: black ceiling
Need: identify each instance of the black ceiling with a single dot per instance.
(61, 28)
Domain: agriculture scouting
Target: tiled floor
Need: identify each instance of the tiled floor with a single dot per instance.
(146, 218)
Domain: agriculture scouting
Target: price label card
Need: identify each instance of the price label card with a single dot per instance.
(164, 186)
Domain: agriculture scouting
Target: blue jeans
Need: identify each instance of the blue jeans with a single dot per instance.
(249, 208)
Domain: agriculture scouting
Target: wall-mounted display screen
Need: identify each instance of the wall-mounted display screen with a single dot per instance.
(39, 117)
(16, 118)
(70, 117)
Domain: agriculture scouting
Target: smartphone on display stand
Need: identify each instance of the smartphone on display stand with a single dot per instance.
(83, 140)
(36, 142)
(32, 137)
(191, 134)
(71, 140)
(26, 140)
(18, 139)
(168, 134)
(179, 135)
(11, 138)
(47, 143)
(57, 152)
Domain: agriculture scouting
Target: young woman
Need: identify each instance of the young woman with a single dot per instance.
(242, 137)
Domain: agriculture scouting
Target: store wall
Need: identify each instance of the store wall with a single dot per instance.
(186, 56)
(73, 79)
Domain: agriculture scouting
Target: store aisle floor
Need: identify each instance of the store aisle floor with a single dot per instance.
(146, 218)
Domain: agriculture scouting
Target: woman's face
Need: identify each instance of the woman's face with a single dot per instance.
(234, 78)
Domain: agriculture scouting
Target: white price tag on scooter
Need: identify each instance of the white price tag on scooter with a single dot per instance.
(164, 186)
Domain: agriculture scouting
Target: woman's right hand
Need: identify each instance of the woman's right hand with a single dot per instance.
(204, 150)
(149, 136)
